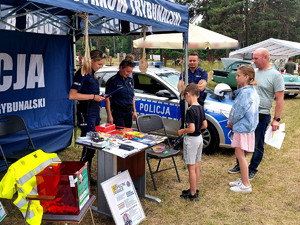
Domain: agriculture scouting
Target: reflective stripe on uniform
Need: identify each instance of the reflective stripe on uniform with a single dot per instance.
(57, 159)
(21, 203)
(33, 191)
(21, 190)
(25, 178)
(42, 166)
(30, 214)
(45, 164)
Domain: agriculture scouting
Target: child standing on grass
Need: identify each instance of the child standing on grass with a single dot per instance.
(243, 120)
(193, 142)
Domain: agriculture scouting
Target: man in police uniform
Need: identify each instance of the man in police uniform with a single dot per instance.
(120, 107)
(196, 75)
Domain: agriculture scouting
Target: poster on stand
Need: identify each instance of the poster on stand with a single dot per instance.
(83, 186)
(3, 213)
(123, 200)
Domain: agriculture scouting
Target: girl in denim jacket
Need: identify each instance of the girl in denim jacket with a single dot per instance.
(243, 119)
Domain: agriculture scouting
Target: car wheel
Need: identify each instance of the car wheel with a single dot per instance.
(290, 95)
(210, 139)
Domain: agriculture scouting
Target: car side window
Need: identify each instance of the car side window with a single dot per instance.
(235, 66)
(103, 78)
(145, 84)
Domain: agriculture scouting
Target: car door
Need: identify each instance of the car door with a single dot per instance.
(153, 96)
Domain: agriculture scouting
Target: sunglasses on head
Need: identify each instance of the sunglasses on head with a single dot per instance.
(101, 56)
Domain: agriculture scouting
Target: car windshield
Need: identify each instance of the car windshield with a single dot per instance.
(172, 78)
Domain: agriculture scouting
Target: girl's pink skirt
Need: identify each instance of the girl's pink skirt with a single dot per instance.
(244, 141)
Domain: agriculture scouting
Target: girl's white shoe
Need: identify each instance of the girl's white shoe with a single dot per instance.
(242, 188)
(235, 183)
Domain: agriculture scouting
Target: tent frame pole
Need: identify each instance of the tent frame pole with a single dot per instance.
(185, 45)
(75, 23)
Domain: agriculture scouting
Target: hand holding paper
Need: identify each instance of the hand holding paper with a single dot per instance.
(275, 138)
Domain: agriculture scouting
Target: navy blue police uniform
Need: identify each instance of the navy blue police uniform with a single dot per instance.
(199, 74)
(88, 111)
(121, 102)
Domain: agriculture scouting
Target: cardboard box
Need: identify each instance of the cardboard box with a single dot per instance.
(68, 182)
(105, 127)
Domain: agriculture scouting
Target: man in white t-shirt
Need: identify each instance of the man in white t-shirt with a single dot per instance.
(270, 84)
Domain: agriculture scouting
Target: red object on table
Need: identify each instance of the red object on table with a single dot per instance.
(105, 127)
(62, 180)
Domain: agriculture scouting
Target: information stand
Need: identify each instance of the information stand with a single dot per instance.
(109, 164)
(122, 199)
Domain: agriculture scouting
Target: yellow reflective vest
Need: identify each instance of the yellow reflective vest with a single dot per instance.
(20, 177)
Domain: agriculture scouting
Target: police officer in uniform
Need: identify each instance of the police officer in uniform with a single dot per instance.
(120, 107)
(196, 75)
(85, 89)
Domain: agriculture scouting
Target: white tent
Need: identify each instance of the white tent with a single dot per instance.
(199, 38)
(279, 49)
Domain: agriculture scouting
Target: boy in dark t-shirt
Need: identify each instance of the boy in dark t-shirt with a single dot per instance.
(193, 142)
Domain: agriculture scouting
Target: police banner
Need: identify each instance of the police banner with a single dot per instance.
(35, 78)
(159, 13)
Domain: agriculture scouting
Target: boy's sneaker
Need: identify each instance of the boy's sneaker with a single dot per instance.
(235, 183)
(193, 197)
(235, 169)
(185, 193)
(252, 174)
(241, 188)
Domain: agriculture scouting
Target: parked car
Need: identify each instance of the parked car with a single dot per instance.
(156, 93)
(228, 74)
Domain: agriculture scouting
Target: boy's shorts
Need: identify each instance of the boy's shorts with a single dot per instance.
(192, 149)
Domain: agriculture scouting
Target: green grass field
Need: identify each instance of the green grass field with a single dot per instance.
(276, 188)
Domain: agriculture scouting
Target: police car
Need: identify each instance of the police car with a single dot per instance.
(156, 93)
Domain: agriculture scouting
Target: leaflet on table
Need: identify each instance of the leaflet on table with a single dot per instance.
(113, 146)
(115, 150)
(150, 140)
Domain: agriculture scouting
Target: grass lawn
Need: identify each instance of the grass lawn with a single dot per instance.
(276, 188)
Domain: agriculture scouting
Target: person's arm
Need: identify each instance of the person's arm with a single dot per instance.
(203, 82)
(180, 84)
(134, 114)
(75, 95)
(204, 124)
(190, 129)
(229, 126)
(108, 111)
(279, 95)
(201, 85)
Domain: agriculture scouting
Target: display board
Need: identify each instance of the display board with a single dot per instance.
(123, 200)
(3, 213)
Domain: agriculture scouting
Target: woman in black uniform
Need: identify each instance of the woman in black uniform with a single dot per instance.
(85, 89)
(120, 107)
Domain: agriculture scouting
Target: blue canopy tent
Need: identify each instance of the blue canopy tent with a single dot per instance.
(37, 60)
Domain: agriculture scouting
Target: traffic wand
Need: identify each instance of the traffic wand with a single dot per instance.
(178, 141)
